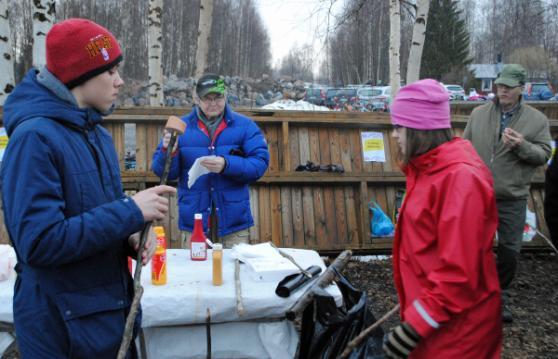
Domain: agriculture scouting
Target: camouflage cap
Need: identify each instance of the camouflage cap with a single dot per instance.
(512, 75)
(210, 83)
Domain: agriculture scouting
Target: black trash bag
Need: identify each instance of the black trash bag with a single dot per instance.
(326, 330)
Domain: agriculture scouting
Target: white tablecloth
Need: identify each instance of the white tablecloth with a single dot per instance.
(174, 314)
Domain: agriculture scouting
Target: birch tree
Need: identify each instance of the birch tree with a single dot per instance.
(417, 42)
(7, 59)
(394, 45)
(43, 18)
(204, 31)
(155, 52)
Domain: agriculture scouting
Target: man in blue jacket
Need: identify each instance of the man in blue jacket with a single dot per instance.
(70, 223)
(234, 152)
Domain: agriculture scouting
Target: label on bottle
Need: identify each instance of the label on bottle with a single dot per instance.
(198, 250)
(158, 268)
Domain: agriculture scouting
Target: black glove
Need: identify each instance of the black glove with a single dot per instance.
(401, 341)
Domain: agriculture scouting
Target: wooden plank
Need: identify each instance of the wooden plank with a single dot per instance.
(287, 217)
(265, 214)
(356, 151)
(330, 216)
(303, 144)
(352, 221)
(314, 143)
(298, 217)
(285, 150)
(276, 224)
(294, 152)
(270, 133)
(388, 167)
(334, 147)
(538, 207)
(154, 134)
(341, 218)
(364, 216)
(308, 216)
(345, 149)
(320, 219)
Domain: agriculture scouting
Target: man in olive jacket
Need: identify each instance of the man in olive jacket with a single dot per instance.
(513, 139)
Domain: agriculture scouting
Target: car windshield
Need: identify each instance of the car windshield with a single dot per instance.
(370, 92)
(454, 88)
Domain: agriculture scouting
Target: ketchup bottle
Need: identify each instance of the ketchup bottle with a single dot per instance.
(198, 247)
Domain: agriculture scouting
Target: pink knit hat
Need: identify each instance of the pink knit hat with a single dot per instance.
(422, 105)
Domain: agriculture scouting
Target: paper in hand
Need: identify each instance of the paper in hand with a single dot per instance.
(197, 170)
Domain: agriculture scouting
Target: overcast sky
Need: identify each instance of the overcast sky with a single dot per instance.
(299, 22)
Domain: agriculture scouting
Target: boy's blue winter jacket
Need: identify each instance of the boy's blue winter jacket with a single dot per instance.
(69, 221)
(239, 140)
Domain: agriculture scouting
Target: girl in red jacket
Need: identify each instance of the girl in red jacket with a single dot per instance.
(443, 265)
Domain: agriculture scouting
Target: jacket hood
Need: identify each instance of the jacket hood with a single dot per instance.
(42, 95)
(455, 151)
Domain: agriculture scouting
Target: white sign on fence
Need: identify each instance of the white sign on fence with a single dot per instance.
(373, 147)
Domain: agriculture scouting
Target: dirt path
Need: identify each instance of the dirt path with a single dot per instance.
(534, 332)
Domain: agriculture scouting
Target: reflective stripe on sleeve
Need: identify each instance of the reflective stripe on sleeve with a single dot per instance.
(427, 318)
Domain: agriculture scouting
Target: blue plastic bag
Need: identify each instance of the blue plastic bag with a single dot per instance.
(380, 225)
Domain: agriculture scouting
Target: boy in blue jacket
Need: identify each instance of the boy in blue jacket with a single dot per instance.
(70, 223)
(234, 152)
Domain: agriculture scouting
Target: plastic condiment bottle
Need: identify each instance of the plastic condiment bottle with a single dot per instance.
(198, 247)
(159, 259)
(217, 264)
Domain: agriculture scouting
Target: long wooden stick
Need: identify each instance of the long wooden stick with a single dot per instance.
(138, 289)
(324, 280)
(366, 332)
(239, 304)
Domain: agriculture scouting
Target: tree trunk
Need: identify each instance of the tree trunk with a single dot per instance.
(7, 81)
(417, 43)
(394, 45)
(155, 52)
(43, 18)
(204, 31)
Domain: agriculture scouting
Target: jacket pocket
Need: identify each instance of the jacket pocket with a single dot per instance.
(188, 205)
(236, 209)
(95, 319)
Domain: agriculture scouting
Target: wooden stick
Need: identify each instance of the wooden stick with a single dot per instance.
(548, 241)
(239, 305)
(324, 280)
(366, 332)
(138, 289)
(208, 332)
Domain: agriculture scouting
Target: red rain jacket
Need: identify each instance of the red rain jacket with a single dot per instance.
(444, 267)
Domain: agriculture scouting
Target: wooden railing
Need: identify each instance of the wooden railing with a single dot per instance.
(318, 210)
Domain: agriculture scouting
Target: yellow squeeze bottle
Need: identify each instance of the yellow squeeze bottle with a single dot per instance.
(217, 264)
(159, 259)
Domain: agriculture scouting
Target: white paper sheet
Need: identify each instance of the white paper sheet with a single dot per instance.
(197, 170)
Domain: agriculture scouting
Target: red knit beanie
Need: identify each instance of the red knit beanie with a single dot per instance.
(79, 49)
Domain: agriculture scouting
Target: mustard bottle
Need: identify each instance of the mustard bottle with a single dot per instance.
(217, 257)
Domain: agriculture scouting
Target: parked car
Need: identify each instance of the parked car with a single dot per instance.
(337, 97)
(456, 92)
(537, 91)
(315, 95)
(380, 99)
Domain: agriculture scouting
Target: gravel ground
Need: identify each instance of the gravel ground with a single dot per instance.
(534, 332)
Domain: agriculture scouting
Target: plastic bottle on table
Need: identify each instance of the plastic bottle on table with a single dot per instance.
(198, 246)
(159, 259)
(217, 264)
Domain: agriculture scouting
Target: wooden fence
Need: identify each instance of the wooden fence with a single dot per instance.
(318, 210)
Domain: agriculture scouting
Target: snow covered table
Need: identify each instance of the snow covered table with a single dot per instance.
(174, 314)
